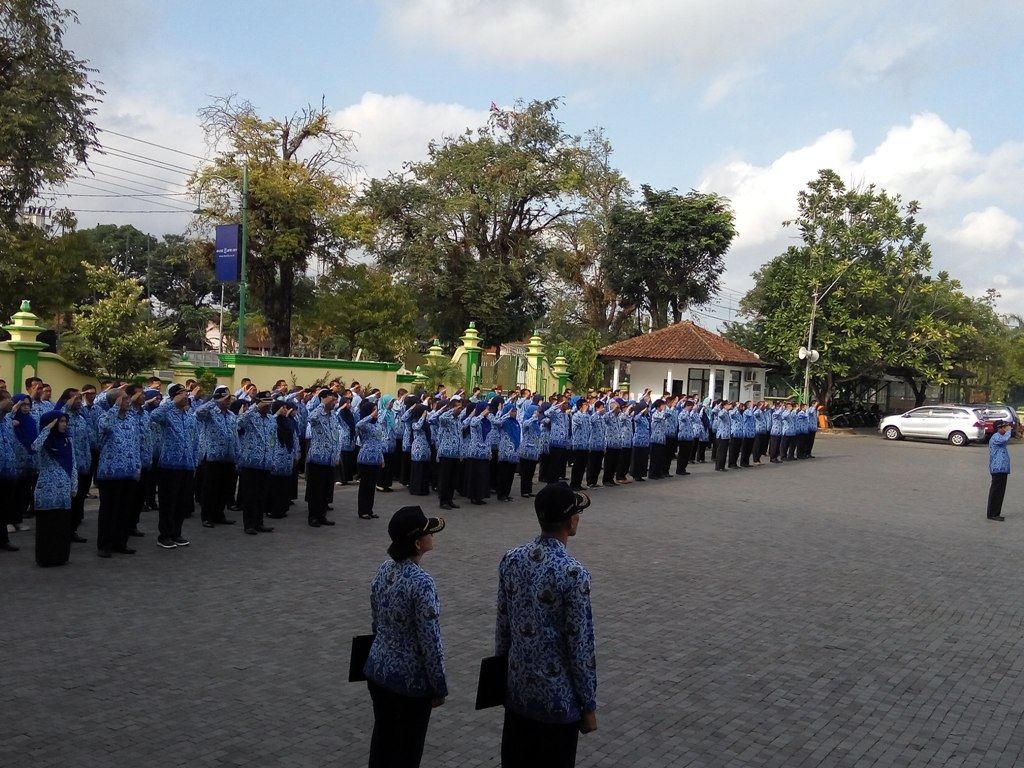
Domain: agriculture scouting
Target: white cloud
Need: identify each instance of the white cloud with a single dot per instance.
(971, 201)
(726, 84)
(391, 130)
(691, 36)
(890, 52)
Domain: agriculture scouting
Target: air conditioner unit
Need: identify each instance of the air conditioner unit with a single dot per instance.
(757, 390)
(750, 375)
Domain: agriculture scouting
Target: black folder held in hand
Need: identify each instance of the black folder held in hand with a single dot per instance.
(360, 653)
(490, 689)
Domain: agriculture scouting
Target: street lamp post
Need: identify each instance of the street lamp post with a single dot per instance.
(809, 354)
(243, 207)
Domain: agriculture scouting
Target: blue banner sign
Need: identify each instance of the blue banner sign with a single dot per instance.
(227, 264)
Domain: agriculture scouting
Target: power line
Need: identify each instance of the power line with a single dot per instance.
(98, 210)
(122, 194)
(137, 173)
(109, 184)
(152, 144)
(143, 159)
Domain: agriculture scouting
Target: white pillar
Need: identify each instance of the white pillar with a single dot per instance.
(615, 374)
(711, 385)
(668, 381)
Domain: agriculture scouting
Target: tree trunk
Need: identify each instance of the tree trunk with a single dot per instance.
(919, 390)
(277, 311)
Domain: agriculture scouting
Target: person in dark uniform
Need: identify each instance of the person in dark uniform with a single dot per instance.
(55, 487)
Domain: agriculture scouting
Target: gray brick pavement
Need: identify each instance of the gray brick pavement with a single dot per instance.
(855, 610)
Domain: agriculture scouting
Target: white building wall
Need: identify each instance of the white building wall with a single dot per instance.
(733, 382)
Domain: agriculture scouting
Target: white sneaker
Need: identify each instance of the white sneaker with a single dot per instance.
(11, 528)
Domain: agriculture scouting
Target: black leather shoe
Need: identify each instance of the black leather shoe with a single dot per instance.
(136, 533)
(8, 547)
(104, 553)
(76, 539)
(314, 523)
(325, 521)
(251, 531)
(123, 550)
(447, 506)
(207, 524)
(226, 522)
(264, 529)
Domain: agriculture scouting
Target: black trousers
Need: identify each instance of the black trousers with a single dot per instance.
(279, 495)
(78, 501)
(713, 442)
(253, 495)
(112, 521)
(622, 464)
(556, 464)
(419, 478)
(176, 499)
(147, 479)
(774, 447)
(319, 486)
(399, 726)
(996, 492)
(218, 483)
(611, 463)
(503, 482)
(53, 536)
(404, 467)
(22, 497)
(683, 456)
(594, 461)
(671, 446)
(746, 448)
(527, 743)
(544, 462)
(368, 474)
(347, 467)
(657, 460)
(579, 466)
(526, 470)
(478, 479)
(641, 455)
(7, 486)
(789, 448)
(760, 444)
(447, 472)
(810, 442)
(720, 452)
(734, 450)
(784, 445)
(387, 474)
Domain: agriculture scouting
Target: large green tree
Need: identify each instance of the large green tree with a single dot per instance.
(298, 202)
(46, 102)
(666, 252)
(468, 229)
(863, 269)
(116, 334)
(357, 307)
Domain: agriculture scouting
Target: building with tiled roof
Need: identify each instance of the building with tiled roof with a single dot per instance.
(687, 358)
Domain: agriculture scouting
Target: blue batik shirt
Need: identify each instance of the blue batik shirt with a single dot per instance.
(546, 628)
(407, 656)
(449, 435)
(179, 436)
(581, 431)
(559, 421)
(54, 486)
(324, 448)
(658, 427)
(420, 448)
(371, 440)
(723, 424)
(530, 443)
(80, 434)
(508, 451)
(598, 433)
(998, 455)
(220, 432)
(257, 436)
(641, 430)
(8, 461)
(120, 447)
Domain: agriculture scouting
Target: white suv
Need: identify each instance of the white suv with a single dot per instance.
(959, 425)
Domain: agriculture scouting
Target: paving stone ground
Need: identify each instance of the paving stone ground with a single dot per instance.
(853, 610)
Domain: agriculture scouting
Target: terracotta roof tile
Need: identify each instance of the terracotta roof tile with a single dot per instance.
(685, 341)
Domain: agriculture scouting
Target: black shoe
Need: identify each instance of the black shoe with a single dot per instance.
(330, 508)
(136, 533)
(226, 522)
(639, 479)
(234, 508)
(104, 553)
(251, 531)
(264, 529)
(314, 523)
(8, 547)
(207, 524)
(576, 487)
(123, 550)
(1000, 518)
(76, 539)
(456, 506)
(325, 521)
(181, 541)
(447, 506)
(610, 484)
(477, 502)
(591, 485)
(526, 495)
(374, 516)
(166, 543)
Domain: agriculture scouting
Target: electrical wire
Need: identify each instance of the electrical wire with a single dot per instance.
(152, 144)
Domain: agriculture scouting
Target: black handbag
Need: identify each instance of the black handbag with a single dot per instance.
(360, 653)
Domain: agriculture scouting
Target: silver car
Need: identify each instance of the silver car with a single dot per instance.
(957, 424)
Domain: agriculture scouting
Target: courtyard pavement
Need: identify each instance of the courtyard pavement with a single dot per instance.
(852, 610)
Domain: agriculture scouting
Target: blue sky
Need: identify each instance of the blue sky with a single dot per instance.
(747, 98)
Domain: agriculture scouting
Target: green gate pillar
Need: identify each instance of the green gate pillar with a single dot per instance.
(561, 369)
(471, 343)
(24, 328)
(535, 364)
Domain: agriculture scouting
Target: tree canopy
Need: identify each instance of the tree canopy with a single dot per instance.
(298, 203)
(667, 253)
(46, 102)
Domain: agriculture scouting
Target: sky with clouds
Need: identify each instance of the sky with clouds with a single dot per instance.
(746, 98)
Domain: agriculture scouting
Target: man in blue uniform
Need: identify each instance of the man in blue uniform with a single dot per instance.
(999, 468)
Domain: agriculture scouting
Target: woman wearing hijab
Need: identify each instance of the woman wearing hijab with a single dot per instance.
(641, 441)
(347, 440)
(371, 457)
(283, 457)
(419, 470)
(56, 485)
(26, 429)
(405, 463)
(389, 420)
(544, 458)
(529, 448)
(405, 668)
